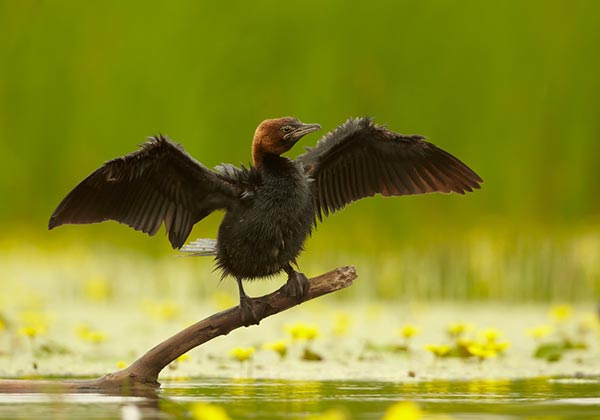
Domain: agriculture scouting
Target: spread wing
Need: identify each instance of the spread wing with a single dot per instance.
(360, 159)
(159, 183)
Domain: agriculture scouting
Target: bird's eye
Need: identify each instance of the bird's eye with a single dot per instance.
(286, 128)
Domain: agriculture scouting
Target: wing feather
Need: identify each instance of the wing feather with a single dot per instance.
(363, 175)
(360, 159)
(409, 187)
(328, 190)
(440, 184)
(390, 186)
(338, 186)
(158, 217)
(345, 180)
(157, 184)
(169, 217)
(431, 187)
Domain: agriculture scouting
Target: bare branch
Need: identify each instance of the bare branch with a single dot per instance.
(142, 375)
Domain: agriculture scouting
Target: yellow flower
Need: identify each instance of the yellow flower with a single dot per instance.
(500, 346)
(440, 350)
(183, 358)
(279, 347)
(561, 313)
(242, 353)
(34, 323)
(97, 289)
(488, 349)
(405, 410)
(121, 364)
(456, 329)
(163, 311)
(482, 351)
(491, 334)
(30, 332)
(333, 414)
(96, 337)
(82, 331)
(204, 411)
(302, 331)
(464, 342)
(409, 331)
(85, 333)
(540, 331)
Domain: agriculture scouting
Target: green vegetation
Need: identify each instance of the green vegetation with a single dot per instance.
(511, 87)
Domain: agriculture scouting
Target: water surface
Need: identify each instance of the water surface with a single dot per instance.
(541, 398)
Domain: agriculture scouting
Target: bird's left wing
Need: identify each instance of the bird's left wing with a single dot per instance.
(159, 183)
(360, 159)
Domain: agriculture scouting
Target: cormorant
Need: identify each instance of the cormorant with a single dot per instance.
(270, 207)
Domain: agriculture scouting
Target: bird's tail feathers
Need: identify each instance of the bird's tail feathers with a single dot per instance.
(201, 248)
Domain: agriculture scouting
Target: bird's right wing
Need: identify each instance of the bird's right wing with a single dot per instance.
(159, 183)
(360, 159)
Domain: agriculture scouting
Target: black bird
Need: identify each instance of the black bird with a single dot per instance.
(272, 206)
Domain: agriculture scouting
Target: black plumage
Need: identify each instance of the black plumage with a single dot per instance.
(160, 183)
(360, 159)
(271, 206)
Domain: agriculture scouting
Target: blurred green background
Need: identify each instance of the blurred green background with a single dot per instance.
(511, 87)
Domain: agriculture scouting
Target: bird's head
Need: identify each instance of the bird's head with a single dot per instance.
(277, 136)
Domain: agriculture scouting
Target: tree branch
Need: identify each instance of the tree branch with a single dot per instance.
(142, 375)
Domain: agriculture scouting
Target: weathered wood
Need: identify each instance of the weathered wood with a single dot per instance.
(142, 375)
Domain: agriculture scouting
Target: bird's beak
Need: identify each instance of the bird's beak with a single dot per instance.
(302, 131)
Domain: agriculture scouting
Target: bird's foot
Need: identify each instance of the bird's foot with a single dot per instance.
(248, 312)
(297, 286)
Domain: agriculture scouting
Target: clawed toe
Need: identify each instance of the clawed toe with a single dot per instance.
(247, 313)
(297, 286)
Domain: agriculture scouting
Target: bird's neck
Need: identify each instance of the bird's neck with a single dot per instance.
(258, 154)
(273, 164)
(262, 155)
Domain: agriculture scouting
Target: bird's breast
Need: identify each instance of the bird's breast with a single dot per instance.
(267, 230)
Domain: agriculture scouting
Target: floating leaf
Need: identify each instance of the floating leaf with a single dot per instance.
(311, 356)
(551, 352)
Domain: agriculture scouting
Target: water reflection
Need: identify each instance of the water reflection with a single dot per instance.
(368, 400)
(73, 406)
(546, 398)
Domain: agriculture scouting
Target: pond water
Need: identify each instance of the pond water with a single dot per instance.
(540, 398)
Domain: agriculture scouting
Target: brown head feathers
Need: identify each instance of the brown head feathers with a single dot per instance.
(278, 135)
